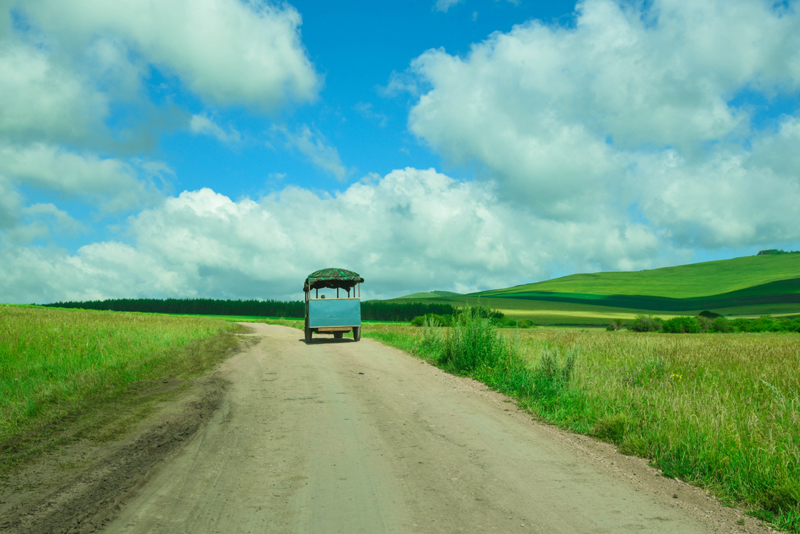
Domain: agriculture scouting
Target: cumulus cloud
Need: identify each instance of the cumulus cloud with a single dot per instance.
(109, 184)
(315, 147)
(72, 79)
(627, 109)
(10, 204)
(733, 197)
(226, 51)
(410, 230)
(43, 100)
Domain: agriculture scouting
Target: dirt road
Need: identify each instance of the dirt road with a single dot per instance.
(349, 437)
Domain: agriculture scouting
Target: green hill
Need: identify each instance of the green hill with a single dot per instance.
(432, 295)
(749, 286)
(684, 281)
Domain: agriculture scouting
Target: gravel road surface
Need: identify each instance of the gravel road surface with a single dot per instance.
(345, 437)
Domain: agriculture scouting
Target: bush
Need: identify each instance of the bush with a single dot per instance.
(790, 325)
(551, 379)
(512, 323)
(472, 342)
(765, 323)
(706, 324)
(483, 312)
(681, 325)
(615, 325)
(432, 318)
(722, 325)
(645, 323)
(708, 314)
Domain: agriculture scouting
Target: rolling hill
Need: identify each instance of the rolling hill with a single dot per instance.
(747, 286)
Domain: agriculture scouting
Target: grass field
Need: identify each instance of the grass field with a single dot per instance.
(683, 281)
(742, 287)
(719, 411)
(55, 362)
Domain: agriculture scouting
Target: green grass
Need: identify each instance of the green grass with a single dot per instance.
(719, 411)
(684, 281)
(53, 363)
(749, 286)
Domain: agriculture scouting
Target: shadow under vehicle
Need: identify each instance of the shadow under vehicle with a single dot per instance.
(333, 315)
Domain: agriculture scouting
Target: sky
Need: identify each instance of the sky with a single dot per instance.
(228, 148)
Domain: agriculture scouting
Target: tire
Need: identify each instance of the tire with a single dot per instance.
(338, 335)
(308, 335)
(356, 333)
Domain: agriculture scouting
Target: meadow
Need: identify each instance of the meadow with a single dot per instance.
(721, 411)
(718, 411)
(54, 363)
(679, 282)
(749, 286)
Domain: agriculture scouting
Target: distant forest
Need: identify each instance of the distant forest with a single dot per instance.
(776, 252)
(370, 311)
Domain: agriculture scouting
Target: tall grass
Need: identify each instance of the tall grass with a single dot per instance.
(52, 362)
(720, 411)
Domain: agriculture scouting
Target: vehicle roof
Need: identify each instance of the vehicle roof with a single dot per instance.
(332, 277)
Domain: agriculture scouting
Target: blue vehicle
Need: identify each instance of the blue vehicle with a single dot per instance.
(333, 315)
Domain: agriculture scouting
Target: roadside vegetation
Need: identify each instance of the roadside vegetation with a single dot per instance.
(497, 318)
(55, 363)
(719, 411)
(708, 322)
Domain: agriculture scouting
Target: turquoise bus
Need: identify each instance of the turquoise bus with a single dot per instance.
(333, 315)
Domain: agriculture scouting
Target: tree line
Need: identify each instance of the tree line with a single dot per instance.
(776, 252)
(709, 322)
(370, 311)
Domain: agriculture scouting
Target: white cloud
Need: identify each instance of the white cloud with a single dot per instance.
(315, 147)
(733, 198)
(228, 52)
(410, 230)
(107, 183)
(10, 204)
(202, 124)
(40, 275)
(618, 112)
(43, 100)
(71, 80)
(63, 222)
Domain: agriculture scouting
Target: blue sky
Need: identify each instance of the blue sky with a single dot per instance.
(226, 148)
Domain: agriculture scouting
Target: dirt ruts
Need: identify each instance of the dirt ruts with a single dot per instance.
(86, 499)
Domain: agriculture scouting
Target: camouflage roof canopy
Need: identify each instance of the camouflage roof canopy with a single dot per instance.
(333, 278)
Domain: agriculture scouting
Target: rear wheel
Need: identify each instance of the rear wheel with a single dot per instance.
(338, 335)
(356, 333)
(308, 333)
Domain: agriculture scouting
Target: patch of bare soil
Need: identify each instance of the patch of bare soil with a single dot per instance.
(78, 487)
